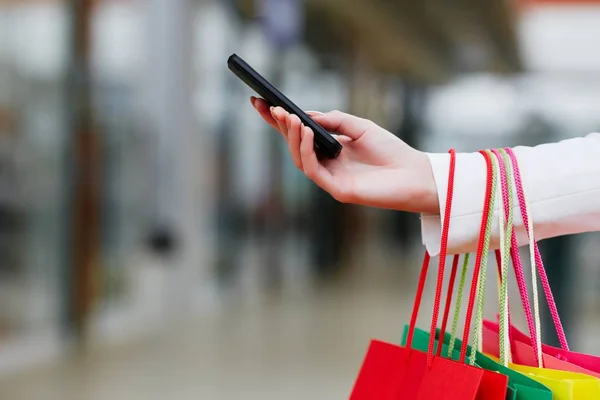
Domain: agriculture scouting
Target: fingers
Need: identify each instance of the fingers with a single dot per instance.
(264, 109)
(280, 117)
(294, 131)
(290, 126)
(334, 121)
(287, 124)
(311, 166)
(301, 138)
(342, 123)
(274, 116)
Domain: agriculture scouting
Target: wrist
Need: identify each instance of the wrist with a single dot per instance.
(428, 199)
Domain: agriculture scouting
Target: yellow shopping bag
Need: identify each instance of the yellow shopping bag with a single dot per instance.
(564, 385)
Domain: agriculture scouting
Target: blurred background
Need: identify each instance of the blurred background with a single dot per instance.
(156, 240)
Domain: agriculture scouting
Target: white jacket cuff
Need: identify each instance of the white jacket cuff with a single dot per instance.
(562, 181)
(467, 205)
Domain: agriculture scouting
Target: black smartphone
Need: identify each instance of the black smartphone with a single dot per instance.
(326, 146)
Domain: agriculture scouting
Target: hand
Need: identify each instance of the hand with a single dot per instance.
(375, 168)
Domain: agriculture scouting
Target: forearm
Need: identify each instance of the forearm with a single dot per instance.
(563, 185)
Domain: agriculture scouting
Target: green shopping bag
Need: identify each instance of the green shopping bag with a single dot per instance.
(520, 386)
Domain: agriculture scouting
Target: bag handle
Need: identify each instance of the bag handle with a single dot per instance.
(457, 306)
(480, 260)
(507, 173)
(506, 214)
(448, 302)
(508, 157)
(441, 267)
(521, 195)
(507, 200)
(483, 245)
(504, 257)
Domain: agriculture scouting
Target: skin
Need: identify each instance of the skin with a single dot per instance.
(374, 169)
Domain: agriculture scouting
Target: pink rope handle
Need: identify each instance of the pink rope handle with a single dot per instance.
(560, 332)
(516, 259)
(515, 256)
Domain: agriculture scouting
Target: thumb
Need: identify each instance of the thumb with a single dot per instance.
(342, 123)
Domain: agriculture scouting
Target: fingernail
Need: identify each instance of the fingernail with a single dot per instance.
(252, 100)
(315, 112)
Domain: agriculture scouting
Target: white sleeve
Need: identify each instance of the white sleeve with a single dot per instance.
(562, 181)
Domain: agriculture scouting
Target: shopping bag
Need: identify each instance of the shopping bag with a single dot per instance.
(493, 385)
(590, 363)
(524, 354)
(564, 385)
(392, 372)
(520, 386)
(510, 384)
(517, 390)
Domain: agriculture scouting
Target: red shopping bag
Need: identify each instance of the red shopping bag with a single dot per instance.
(391, 372)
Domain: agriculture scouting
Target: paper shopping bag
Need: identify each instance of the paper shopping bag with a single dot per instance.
(392, 372)
(520, 387)
(493, 385)
(564, 385)
(524, 354)
(589, 362)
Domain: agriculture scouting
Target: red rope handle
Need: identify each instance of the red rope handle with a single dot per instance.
(479, 256)
(498, 263)
(417, 302)
(442, 258)
(448, 301)
(441, 265)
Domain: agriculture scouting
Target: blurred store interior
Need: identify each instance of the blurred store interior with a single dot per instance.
(156, 239)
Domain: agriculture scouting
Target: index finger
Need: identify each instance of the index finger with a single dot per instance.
(264, 109)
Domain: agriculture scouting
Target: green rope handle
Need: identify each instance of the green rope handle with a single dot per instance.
(481, 280)
(457, 306)
(505, 258)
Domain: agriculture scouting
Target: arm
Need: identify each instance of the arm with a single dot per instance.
(379, 170)
(562, 181)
